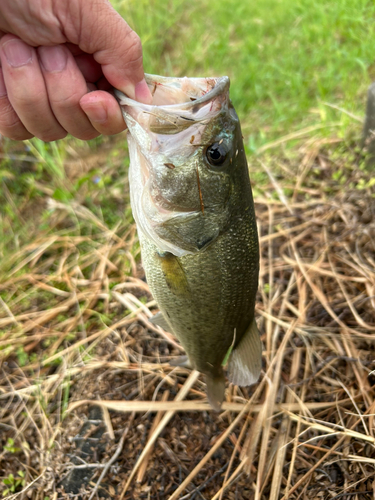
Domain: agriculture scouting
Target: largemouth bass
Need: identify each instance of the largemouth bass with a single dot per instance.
(192, 203)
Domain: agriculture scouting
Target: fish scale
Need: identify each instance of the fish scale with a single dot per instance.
(193, 206)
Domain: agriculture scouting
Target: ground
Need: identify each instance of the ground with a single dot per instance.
(89, 405)
(74, 330)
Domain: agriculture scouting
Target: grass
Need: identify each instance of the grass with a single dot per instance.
(78, 304)
(74, 310)
(285, 58)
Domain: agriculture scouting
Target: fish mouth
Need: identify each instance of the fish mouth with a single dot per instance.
(178, 103)
(181, 93)
(191, 92)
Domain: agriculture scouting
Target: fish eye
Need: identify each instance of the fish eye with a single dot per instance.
(216, 154)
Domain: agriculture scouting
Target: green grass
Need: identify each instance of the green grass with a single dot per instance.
(284, 57)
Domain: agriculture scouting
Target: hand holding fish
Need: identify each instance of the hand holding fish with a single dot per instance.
(58, 59)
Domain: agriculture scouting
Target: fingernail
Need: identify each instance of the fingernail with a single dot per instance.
(3, 89)
(17, 52)
(142, 92)
(97, 113)
(53, 58)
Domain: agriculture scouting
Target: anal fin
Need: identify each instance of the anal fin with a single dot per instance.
(245, 361)
(159, 320)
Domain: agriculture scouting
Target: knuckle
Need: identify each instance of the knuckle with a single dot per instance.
(8, 117)
(19, 134)
(50, 136)
(133, 63)
(87, 135)
(10, 125)
(24, 100)
(134, 48)
(66, 101)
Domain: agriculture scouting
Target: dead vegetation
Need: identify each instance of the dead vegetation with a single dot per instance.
(74, 329)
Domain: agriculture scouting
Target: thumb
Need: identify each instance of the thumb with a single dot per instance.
(115, 46)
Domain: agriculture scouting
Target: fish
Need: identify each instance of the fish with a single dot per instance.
(192, 203)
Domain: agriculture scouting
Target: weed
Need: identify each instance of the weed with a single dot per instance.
(22, 356)
(13, 483)
(10, 447)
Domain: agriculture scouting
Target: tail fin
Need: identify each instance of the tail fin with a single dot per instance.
(215, 390)
(245, 361)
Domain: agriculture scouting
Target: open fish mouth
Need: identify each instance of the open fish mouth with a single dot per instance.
(187, 91)
(178, 102)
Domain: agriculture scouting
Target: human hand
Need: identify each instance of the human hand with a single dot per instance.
(58, 59)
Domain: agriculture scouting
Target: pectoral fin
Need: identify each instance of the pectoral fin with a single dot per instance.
(245, 361)
(174, 275)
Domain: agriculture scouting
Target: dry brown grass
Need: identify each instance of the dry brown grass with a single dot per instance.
(305, 431)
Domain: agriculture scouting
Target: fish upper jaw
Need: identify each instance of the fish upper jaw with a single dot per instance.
(180, 96)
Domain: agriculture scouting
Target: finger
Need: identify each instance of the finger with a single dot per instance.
(26, 89)
(65, 87)
(90, 69)
(104, 112)
(10, 124)
(115, 46)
